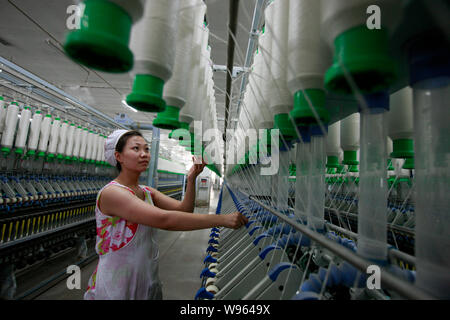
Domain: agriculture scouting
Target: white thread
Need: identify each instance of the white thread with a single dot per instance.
(22, 132)
(10, 125)
(45, 133)
(350, 132)
(400, 115)
(153, 39)
(333, 140)
(308, 56)
(35, 129)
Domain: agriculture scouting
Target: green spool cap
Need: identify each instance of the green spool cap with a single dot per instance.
(6, 150)
(41, 154)
(15, 103)
(74, 159)
(31, 153)
(146, 94)
(402, 148)
(332, 162)
(68, 158)
(364, 54)
(48, 115)
(340, 169)
(409, 164)
(60, 157)
(19, 151)
(284, 124)
(38, 111)
(302, 113)
(102, 41)
(350, 158)
(353, 168)
(168, 119)
(1, 98)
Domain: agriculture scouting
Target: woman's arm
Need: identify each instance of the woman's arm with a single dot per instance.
(188, 203)
(116, 201)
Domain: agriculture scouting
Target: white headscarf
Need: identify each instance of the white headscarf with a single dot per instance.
(110, 146)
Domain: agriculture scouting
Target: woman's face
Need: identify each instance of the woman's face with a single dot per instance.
(135, 155)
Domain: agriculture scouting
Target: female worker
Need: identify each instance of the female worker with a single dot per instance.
(127, 215)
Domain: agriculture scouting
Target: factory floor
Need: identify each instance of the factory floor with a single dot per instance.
(181, 256)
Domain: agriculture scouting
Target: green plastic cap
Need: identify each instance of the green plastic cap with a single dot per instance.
(284, 124)
(19, 151)
(41, 154)
(102, 41)
(146, 94)
(31, 153)
(6, 150)
(332, 162)
(402, 148)
(38, 111)
(168, 119)
(362, 54)
(353, 168)
(409, 164)
(60, 157)
(350, 158)
(302, 113)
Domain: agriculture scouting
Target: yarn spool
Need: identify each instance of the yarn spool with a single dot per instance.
(70, 142)
(400, 123)
(62, 139)
(280, 98)
(101, 40)
(10, 127)
(54, 136)
(333, 145)
(22, 131)
(44, 135)
(35, 129)
(176, 89)
(362, 52)
(153, 44)
(350, 138)
(77, 143)
(308, 58)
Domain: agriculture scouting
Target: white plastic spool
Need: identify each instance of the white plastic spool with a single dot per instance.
(89, 143)
(10, 125)
(308, 56)
(77, 141)
(3, 110)
(35, 129)
(186, 113)
(400, 115)
(24, 125)
(100, 142)
(70, 140)
(94, 146)
(153, 39)
(84, 135)
(62, 143)
(54, 136)
(45, 134)
(350, 132)
(277, 22)
(176, 88)
(333, 140)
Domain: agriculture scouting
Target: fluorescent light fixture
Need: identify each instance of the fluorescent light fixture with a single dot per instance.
(125, 104)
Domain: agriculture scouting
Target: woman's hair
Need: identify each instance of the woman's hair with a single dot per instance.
(123, 141)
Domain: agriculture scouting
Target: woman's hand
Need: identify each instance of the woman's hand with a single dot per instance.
(234, 220)
(196, 169)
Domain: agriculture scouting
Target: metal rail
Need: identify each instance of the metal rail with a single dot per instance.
(387, 279)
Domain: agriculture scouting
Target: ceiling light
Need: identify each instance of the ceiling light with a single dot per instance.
(125, 104)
